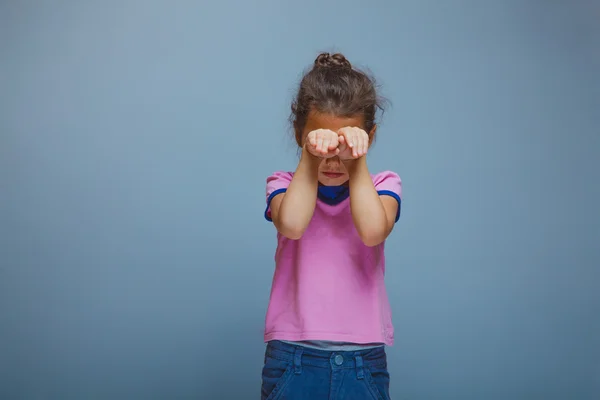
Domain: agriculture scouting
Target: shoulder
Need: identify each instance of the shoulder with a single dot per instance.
(387, 180)
(278, 181)
(280, 175)
(385, 175)
(388, 183)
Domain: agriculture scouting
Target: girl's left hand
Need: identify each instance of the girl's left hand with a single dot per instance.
(354, 143)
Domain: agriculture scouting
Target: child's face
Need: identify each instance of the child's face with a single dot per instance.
(332, 172)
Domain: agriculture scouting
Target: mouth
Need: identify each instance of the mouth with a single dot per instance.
(333, 175)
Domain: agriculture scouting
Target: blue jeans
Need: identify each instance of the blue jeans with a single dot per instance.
(297, 373)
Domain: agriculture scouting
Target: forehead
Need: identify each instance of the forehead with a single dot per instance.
(317, 120)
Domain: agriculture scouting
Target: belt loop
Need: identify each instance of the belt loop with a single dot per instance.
(298, 360)
(360, 373)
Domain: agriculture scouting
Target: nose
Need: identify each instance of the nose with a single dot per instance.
(333, 161)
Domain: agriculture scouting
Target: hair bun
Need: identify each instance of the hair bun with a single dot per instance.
(326, 60)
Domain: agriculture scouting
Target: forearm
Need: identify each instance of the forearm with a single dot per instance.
(368, 212)
(298, 204)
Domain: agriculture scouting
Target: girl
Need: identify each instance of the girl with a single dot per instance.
(329, 318)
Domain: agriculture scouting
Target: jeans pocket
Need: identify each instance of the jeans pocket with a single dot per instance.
(275, 376)
(378, 378)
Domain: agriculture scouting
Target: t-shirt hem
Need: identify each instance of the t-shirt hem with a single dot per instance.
(327, 336)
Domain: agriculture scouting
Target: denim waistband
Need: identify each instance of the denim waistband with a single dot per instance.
(300, 355)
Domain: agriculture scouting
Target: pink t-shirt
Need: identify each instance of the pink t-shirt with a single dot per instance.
(328, 285)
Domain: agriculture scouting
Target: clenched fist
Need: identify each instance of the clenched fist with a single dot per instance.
(322, 143)
(354, 143)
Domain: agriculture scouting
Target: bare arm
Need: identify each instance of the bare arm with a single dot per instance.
(373, 215)
(292, 211)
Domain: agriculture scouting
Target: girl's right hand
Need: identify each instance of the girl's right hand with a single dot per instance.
(322, 143)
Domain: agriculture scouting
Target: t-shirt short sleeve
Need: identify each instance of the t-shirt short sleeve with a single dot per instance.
(276, 184)
(388, 183)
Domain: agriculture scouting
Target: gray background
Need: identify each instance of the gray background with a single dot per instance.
(136, 137)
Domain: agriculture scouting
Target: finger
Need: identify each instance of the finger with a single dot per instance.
(312, 140)
(344, 135)
(333, 143)
(360, 143)
(319, 146)
(361, 147)
(311, 148)
(365, 144)
(342, 148)
(326, 141)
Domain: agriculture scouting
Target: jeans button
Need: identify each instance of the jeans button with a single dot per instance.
(339, 360)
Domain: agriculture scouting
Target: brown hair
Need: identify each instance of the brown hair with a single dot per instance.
(333, 86)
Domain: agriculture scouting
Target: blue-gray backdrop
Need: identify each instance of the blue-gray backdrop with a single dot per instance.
(135, 138)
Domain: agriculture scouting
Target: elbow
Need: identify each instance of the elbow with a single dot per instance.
(372, 238)
(293, 234)
(293, 231)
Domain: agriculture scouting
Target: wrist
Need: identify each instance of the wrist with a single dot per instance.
(356, 166)
(309, 159)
